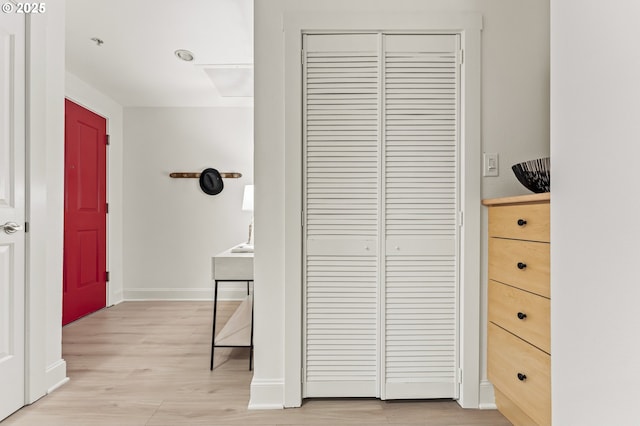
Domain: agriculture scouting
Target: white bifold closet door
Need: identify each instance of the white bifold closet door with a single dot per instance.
(381, 228)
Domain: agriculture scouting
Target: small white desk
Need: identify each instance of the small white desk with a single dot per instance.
(238, 331)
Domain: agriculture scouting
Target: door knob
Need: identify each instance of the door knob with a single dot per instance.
(11, 227)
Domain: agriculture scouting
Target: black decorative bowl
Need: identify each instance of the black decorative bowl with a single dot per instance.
(534, 174)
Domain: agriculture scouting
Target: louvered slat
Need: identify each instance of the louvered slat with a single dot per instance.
(342, 134)
(427, 158)
(341, 332)
(420, 171)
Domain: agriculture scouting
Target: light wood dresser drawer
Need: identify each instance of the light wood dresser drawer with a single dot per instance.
(512, 411)
(521, 372)
(524, 314)
(523, 264)
(530, 222)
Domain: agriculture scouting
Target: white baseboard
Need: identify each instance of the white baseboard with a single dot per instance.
(487, 397)
(117, 303)
(115, 298)
(226, 292)
(266, 395)
(56, 375)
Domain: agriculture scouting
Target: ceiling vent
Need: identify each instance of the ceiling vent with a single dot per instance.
(231, 80)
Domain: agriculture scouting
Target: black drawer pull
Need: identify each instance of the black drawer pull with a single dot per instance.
(522, 315)
(521, 265)
(522, 377)
(522, 222)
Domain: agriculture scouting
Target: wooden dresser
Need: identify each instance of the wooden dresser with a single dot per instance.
(519, 347)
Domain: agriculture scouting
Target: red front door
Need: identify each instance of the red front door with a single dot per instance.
(85, 215)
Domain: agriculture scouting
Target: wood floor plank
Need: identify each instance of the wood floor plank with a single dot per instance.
(147, 364)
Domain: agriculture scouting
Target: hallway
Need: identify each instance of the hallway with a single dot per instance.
(147, 363)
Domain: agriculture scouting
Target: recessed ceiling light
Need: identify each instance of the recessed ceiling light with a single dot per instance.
(185, 55)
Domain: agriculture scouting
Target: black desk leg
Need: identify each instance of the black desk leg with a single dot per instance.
(251, 344)
(215, 309)
(213, 332)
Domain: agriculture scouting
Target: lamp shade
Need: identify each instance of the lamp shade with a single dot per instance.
(247, 200)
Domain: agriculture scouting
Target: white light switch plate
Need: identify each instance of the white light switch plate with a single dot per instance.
(490, 166)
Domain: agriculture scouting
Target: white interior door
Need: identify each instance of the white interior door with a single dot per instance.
(342, 181)
(420, 281)
(12, 212)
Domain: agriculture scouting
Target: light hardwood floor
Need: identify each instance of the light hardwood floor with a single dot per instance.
(147, 363)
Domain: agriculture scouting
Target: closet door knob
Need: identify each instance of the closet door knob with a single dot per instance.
(521, 265)
(522, 377)
(522, 222)
(522, 315)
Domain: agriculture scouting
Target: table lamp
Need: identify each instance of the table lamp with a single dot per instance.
(247, 206)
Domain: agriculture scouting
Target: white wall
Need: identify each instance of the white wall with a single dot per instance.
(595, 134)
(45, 175)
(172, 228)
(93, 100)
(515, 124)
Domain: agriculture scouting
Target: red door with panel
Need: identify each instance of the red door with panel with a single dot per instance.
(85, 213)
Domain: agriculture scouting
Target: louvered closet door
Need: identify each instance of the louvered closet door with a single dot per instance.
(341, 132)
(420, 219)
(380, 182)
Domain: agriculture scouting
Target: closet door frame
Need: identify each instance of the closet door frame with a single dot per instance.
(469, 27)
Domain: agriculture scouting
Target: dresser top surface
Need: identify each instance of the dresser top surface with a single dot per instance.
(518, 199)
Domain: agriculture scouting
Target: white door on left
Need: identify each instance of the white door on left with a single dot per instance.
(12, 212)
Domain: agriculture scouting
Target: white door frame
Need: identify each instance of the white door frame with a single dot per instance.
(44, 181)
(469, 27)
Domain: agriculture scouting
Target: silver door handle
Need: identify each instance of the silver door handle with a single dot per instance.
(11, 227)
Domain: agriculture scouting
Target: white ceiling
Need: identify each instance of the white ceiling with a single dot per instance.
(136, 65)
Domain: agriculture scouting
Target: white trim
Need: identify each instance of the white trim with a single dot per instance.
(375, 21)
(116, 299)
(35, 245)
(469, 26)
(487, 397)
(57, 385)
(292, 392)
(470, 193)
(45, 183)
(204, 294)
(56, 375)
(120, 300)
(266, 395)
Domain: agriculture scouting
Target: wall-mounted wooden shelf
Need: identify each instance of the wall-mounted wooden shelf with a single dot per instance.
(196, 175)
